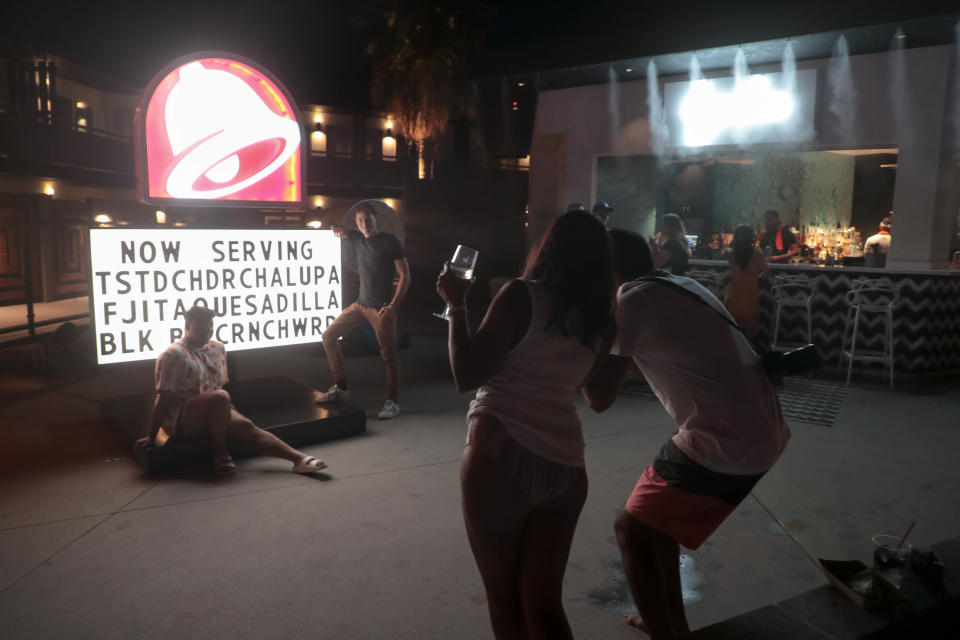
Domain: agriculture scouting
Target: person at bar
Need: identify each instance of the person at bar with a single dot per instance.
(776, 240)
(602, 211)
(730, 429)
(880, 241)
(747, 267)
(378, 256)
(191, 403)
(670, 249)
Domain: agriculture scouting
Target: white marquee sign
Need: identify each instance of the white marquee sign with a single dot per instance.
(269, 287)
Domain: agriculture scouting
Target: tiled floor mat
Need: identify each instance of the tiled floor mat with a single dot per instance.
(802, 399)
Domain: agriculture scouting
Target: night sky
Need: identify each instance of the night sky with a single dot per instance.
(315, 50)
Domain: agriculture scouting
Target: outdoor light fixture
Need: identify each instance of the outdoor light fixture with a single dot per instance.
(315, 224)
(102, 218)
(521, 84)
(49, 190)
(317, 202)
(707, 112)
(389, 143)
(629, 69)
(161, 217)
(390, 202)
(318, 139)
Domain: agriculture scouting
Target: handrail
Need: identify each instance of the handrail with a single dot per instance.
(43, 323)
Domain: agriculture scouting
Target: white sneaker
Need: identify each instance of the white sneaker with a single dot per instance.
(390, 410)
(333, 394)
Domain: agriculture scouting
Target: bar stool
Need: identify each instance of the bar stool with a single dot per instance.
(791, 291)
(870, 296)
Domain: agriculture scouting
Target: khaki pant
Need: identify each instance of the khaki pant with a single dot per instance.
(386, 330)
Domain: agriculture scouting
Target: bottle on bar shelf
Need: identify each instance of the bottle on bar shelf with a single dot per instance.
(819, 241)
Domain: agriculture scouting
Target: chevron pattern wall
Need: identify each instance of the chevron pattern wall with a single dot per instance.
(926, 324)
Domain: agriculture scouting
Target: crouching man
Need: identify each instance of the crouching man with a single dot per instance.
(730, 430)
(191, 403)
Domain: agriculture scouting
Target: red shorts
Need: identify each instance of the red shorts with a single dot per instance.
(684, 500)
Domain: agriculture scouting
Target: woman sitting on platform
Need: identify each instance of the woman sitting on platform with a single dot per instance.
(191, 403)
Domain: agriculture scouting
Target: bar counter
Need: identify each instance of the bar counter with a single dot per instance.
(926, 319)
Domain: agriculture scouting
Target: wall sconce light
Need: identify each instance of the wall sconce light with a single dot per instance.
(318, 139)
(49, 190)
(315, 224)
(102, 218)
(317, 202)
(389, 151)
(161, 217)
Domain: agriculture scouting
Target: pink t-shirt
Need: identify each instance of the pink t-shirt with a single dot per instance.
(705, 374)
(187, 371)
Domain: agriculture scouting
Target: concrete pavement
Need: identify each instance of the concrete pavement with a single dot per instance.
(90, 548)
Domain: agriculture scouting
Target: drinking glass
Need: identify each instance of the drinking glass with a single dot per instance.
(889, 560)
(462, 264)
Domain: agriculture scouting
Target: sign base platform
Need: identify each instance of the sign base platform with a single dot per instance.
(281, 406)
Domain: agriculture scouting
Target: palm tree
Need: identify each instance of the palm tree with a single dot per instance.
(418, 58)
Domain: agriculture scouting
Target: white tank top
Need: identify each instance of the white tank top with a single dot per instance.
(532, 393)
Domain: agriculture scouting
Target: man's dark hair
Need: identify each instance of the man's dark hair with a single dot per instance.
(886, 223)
(772, 212)
(198, 312)
(368, 208)
(631, 254)
(572, 261)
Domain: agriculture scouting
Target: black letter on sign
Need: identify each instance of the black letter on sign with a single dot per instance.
(171, 249)
(145, 340)
(107, 345)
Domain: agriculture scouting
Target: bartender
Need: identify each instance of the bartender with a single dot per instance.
(776, 240)
(880, 242)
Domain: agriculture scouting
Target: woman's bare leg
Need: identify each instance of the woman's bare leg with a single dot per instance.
(263, 441)
(546, 549)
(494, 512)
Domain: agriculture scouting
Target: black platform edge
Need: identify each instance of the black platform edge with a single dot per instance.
(281, 406)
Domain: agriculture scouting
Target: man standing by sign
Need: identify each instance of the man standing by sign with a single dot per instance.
(191, 403)
(378, 256)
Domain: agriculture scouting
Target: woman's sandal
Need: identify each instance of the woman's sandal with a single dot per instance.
(225, 466)
(309, 465)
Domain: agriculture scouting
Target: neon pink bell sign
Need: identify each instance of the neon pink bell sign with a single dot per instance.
(216, 129)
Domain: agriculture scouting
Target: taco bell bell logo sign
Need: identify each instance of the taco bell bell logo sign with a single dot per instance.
(214, 129)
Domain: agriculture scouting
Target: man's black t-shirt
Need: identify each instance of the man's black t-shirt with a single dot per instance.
(374, 260)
